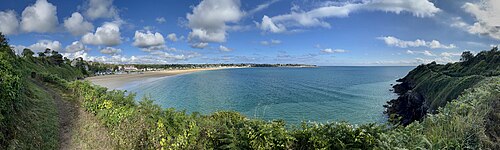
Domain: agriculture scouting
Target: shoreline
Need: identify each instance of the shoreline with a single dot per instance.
(118, 81)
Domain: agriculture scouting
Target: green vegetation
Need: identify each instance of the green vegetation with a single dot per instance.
(28, 118)
(430, 86)
(28, 115)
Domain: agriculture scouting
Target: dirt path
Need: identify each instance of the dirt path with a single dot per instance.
(66, 114)
(78, 129)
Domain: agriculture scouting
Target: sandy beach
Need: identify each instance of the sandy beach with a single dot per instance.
(121, 80)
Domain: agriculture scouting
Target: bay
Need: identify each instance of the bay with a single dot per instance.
(320, 94)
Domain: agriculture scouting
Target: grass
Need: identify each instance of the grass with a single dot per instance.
(37, 124)
(461, 124)
(86, 131)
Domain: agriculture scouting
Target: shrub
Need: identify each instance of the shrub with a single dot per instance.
(10, 95)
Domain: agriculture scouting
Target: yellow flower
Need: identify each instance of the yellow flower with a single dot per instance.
(108, 104)
(160, 124)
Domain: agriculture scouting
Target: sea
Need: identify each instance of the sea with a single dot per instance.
(295, 95)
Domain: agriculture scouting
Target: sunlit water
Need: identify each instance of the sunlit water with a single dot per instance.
(322, 94)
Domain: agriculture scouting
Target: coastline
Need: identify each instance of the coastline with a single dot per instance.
(121, 80)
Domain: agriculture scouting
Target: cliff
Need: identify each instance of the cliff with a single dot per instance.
(430, 86)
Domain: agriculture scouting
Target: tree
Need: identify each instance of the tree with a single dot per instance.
(47, 52)
(56, 58)
(41, 54)
(4, 45)
(466, 56)
(28, 53)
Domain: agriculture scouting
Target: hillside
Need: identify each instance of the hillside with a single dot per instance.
(43, 107)
(430, 86)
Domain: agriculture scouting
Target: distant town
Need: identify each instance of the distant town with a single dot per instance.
(105, 69)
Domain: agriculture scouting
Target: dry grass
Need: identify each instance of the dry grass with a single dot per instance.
(86, 130)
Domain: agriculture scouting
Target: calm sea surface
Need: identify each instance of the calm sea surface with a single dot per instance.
(322, 94)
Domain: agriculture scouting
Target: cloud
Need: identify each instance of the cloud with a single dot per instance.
(148, 41)
(75, 47)
(416, 61)
(170, 56)
(76, 25)
(18, 49)
(40, 17)
(448, 54)
(41, 45)
(271, 42)
(393, 41)
(78, 54)
(425, 52)
(224, 49)
(155, 57)
(331, 51)
(487, 20)
(209, 18)
(268, 25)
(101, 9)
(439, 60)
(8, 22)
(262, 7)
(200, 45)
(172, 37)
(314, 17)
(108, 35)
(160, 20)
(111, 50)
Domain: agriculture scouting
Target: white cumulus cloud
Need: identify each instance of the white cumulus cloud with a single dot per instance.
(316, 16)
(110, 50)
(199, 45)
(487, 18)
(108, 35)
(8, 22)
(75, 47)
(101, 9)
(41, 45)
(40, 17)
(209, 18)
(76, 25)
(268, 25)
(393, 41)
(149, 41)
(172, 37)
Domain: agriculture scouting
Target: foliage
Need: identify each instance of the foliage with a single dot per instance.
(466, 56)
(144, 125)
(28, 117)
(458, 125)
(430, 86)
(10, 95)
(28, 53)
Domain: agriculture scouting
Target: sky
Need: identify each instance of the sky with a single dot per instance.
(326, 33)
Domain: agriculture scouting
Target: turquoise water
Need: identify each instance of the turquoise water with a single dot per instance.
(322, 94)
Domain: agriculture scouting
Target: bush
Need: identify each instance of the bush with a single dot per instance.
(10, 95)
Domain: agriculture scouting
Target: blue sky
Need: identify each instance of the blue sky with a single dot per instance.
(352, 32)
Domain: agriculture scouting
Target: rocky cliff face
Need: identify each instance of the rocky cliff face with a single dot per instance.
(409, 106)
